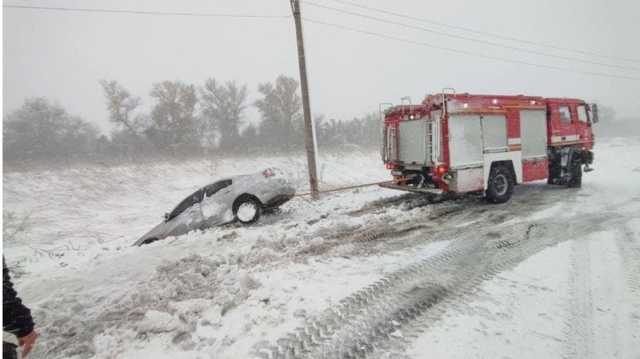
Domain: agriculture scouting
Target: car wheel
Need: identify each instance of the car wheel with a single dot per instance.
(247, 209)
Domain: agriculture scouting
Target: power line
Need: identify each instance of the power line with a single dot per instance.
(144, 12)
(162, 13)
(470, 53)
(484, 33)
(491, 43)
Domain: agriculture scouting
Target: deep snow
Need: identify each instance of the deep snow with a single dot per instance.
(230, 291)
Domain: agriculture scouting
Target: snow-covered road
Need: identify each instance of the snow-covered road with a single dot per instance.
(367, 273)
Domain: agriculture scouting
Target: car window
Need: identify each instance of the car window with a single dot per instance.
(565, 114)
(194, 198)
(582, 113)
(211, 189)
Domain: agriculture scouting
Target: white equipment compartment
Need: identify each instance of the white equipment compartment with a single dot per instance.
(533, 133)
(415, 141)
(465, 140)
(494, 133)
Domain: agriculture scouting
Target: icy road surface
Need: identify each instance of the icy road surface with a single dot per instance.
(370, 273)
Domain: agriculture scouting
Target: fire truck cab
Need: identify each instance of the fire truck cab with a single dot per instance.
(459, 143)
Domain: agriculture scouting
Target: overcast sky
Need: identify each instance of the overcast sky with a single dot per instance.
(63, 55)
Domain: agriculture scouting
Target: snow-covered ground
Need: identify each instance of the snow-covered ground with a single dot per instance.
(368, 272)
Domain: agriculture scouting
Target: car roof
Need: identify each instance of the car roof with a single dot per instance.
(252, 174)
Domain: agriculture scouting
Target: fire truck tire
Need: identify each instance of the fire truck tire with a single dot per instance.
(575, 179)
(554, 172)
(500, 186)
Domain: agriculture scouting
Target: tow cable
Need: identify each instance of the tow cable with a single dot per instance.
(344, 188)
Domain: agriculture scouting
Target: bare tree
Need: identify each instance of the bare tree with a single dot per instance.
(364, 131)
(222, 110)
(281, 110)
(121, 105)
(41, 130)
(173, 115)
(249, 136)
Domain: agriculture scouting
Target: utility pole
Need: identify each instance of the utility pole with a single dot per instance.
(309, 140)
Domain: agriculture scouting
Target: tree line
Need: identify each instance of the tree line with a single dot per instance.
(184, 120)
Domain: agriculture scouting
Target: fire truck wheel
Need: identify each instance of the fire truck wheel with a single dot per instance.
(575, 179)
(554, 172)
(500, 186)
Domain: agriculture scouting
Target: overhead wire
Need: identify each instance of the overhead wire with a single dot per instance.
(465, 52)
(481, 32)
(144, 12)
(490, 43)
(370, 33)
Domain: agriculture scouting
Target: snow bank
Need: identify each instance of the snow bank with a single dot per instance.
(226, 291)
(73, 215)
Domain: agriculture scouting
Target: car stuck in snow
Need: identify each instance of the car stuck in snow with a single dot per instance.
(240, 198)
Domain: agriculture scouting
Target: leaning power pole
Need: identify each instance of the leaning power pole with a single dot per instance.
(309, 140)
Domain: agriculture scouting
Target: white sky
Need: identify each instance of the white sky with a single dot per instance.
(62, 55)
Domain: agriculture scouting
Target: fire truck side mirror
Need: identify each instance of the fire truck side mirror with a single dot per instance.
(594, 113)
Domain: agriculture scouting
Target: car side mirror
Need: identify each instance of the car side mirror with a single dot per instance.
(166, 216)
(594, 113)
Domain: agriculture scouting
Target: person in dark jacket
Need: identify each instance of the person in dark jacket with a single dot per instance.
(16, 319)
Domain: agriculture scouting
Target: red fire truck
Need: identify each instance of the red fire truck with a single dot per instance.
(458, 143)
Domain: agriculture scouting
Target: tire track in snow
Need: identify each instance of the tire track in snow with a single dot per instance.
(370, 320)
(603, 303)
(579, 332)
(408, 199)
(422, 215)
(380, 236)
(629, 249)
(614, 316)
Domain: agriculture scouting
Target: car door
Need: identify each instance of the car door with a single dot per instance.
(217, 204)
(187, 215)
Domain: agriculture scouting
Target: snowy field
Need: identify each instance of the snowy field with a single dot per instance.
(364, 273)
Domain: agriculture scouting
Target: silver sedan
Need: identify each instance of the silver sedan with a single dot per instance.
(240, 198)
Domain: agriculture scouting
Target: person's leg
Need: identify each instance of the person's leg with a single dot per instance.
(9, 351)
